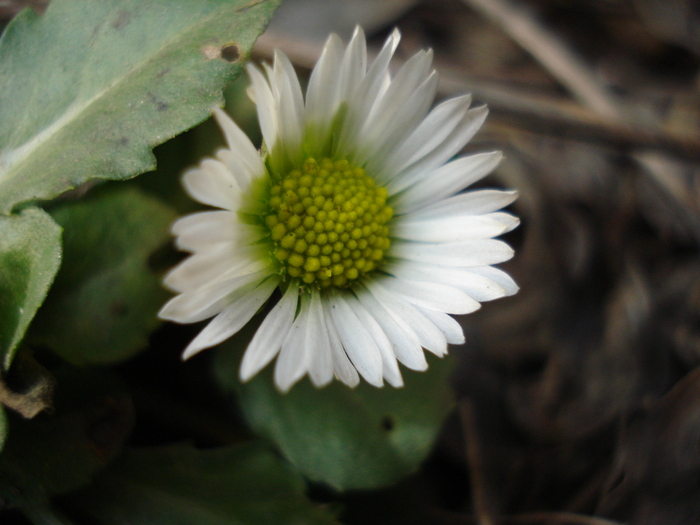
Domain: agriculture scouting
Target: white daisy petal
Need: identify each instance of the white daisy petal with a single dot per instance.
(365, 96)
(398, 111)
(420, 171)
(435, 129)
(290, 106)
(353, 66)
(196, 223)
(508, 220)
(498, 276)
(238, 170)
(404, 341)
(320, 101)
(430, 337)
(408, 79)
(213, 184)
(239, 143)
(203, 267)
(268, 339)
(201, 230)
(231, 319)
(357, 341)
(342, 367)
(477, 286)
(266, 106)
(394, 128)
(197, 305)
(287, 78)
(453, 229)
(444, 181)
(433, 296)
(463, 254)
(352, 210)
(471, 203)
(294, 359)
(318, 344)
(451, 328)
(390, 368)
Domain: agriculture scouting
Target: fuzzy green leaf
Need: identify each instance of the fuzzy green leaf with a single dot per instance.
(244, 484)
(88, 88)
(104, 302)
(349, 438)
(30, 254)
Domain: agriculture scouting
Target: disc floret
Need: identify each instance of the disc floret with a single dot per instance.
(328, 223)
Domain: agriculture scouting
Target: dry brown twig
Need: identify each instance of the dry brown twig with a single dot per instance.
(483, 506)
(555, 56)
(551, 52)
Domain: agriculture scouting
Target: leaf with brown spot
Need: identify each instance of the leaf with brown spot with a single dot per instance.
(77, 80)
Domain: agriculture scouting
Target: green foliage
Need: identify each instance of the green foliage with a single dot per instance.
(86, 91)
(30, 254)
(88, 88)
(104, 302)
(60, 451)
(349, 438)
(244, 484)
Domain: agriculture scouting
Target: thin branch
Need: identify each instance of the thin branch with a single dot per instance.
(551, 52)
(555, 56)
(483, 505)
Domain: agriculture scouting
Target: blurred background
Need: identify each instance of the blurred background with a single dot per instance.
(580, 396)
(578, 399)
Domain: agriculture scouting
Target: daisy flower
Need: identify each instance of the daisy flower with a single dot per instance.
(352, 211)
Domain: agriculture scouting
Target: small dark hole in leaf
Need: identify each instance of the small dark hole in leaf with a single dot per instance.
(230, 53)
(388, 423)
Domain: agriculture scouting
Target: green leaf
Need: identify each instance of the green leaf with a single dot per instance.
(60, 451)
(349, 438)
(244, 484)
(30, 254)
(88, 88)
(105, 299)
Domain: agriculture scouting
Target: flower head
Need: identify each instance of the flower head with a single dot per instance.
(353, 213)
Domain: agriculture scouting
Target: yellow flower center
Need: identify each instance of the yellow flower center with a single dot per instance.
(328, 222)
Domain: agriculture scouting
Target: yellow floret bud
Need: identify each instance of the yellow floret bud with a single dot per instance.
(296, 260)
(278, 231)
(288, 241)
(300, 246)
(312, 264)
